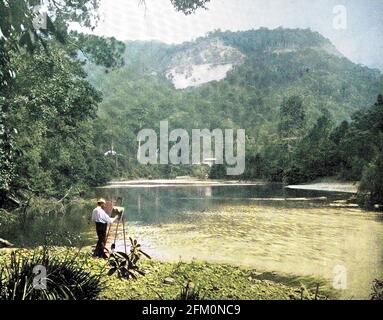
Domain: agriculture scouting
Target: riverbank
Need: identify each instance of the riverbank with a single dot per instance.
(325, 184)
(164, 280)
(178, 182)
(328, 185)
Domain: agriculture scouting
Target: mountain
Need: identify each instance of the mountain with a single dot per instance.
(230, 79)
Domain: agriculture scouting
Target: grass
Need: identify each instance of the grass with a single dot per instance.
(215, 281)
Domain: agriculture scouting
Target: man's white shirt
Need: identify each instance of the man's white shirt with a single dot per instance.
(99, 215)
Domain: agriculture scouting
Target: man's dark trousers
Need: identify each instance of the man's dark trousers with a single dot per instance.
(101, 234)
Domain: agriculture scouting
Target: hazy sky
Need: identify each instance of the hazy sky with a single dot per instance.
(361, 40)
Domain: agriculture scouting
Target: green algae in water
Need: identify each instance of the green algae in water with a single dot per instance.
(226, 225)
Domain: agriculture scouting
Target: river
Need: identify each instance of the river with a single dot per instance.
(263, 226)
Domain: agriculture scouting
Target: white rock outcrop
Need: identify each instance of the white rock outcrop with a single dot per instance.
(210, 60)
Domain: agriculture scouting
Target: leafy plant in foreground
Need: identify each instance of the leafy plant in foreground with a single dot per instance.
(125, 265)
(64, 280)
(136, 252)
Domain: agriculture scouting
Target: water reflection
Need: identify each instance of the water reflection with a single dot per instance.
(266, 227)
(165, 204)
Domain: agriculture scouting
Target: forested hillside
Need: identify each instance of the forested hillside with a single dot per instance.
(281, 85)
(291, 90)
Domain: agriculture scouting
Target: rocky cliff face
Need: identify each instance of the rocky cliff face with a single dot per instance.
(210, 60)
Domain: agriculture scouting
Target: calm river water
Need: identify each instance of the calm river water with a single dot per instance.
(266, 227)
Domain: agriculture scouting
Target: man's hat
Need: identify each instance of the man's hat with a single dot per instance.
(101, 200)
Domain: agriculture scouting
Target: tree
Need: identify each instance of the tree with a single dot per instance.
(6, 77)
(107, 52)
(312, 156)
(26, 31)
(189, 6)
(370, 190)
(292, 117)
(54, 147)
(19, 30)
(371, 186)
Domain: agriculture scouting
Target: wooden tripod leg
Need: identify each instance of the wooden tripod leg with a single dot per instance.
(123, 230)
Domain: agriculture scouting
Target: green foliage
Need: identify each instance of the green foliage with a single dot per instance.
(65, 279)
(135, 251)
(292, 116)
(17, 24)
(21, 36)
(350, 150)
(50, 116)
(190, 292)
(371, 185)
(377, 290)
(218, 281)
(360, 152)
(123, 266)
(312, 156)
(6, 132)
(107, 52)
(189, 6)
(265, 39)
(126, 265)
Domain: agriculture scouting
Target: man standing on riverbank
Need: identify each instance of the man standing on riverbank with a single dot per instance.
(102, 219)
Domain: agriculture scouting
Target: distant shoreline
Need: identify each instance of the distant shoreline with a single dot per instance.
(335, 186)
(179, 182)
(331, 186)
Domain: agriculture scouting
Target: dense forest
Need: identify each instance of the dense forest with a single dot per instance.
(49, 128)
(68, 98)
